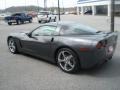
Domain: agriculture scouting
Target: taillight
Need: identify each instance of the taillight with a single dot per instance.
(99, 45)
(105, 43)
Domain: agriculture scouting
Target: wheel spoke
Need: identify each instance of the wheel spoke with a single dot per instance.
(12, 43)
(66, 60)
(69, 57)
(65, 66)
(61, 60)
(63, 54)
(12, 46)
(69, 63)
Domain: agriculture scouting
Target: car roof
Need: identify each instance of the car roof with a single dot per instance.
(62, 23)
(45, 11)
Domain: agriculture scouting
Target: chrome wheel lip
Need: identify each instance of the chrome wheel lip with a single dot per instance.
(11, 45)
(67, 61)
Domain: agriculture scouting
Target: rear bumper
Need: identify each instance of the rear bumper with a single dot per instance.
(12, 21)
(43, 19)
(92, 58)
(98, 56)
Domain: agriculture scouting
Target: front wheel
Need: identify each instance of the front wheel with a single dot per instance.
(9, 23)
(12, 46)
(67, 60)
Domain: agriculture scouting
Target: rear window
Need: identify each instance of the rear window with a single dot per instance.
(18, 14)
(77, 29)
(43, 13)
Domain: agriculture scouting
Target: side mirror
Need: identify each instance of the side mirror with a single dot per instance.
(28, 34)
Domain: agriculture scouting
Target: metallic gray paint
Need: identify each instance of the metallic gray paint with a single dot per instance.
(46, 47)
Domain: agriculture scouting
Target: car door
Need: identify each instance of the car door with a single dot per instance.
(24, 17)
(40, 41)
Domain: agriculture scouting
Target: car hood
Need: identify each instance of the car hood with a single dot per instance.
(19, 34)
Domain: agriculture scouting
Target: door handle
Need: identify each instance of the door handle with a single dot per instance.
(52, 39)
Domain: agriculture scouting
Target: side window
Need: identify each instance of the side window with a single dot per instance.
(64, 30)
(44, 31)
(76, 30)
(23, 15)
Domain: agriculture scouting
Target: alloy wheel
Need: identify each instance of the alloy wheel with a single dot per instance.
(66, 61)
(12, 46)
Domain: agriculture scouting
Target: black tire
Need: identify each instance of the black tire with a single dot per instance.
(74, 59)
(18, 22)
(12, 50)
(55, 19)
(39, 21)
(9, 23)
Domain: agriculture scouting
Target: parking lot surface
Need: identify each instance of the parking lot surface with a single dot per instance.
(23, 72)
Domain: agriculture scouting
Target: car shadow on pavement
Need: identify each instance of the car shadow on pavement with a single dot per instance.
(108, 69)
(39, 59)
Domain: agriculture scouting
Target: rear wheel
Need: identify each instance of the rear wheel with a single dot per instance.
(39, 21)
(12, 46)
(67, 60)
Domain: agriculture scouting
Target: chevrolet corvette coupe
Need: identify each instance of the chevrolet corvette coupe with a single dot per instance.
(70, 45)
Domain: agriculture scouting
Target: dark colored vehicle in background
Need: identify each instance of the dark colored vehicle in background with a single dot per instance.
(18, 18)
(70, 45)
(89, 12)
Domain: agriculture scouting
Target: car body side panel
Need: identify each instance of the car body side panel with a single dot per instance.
(47, 46)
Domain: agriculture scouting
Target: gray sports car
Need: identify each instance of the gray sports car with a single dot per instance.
(68, 44)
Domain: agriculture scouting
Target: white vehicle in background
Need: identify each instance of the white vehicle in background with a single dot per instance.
(3, 15)
(46, 16)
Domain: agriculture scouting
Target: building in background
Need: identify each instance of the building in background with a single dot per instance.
(97, 7)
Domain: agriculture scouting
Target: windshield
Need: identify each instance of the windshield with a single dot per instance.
(18, 14)
(43, 13)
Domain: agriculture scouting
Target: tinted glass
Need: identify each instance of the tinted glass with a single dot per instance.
(43, 13)
(77, 29)
(16, 14)
(44, 31)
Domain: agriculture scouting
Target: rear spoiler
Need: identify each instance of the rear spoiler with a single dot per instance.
(112, 33)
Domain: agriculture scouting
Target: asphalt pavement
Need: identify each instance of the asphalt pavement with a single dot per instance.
(23, 72)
